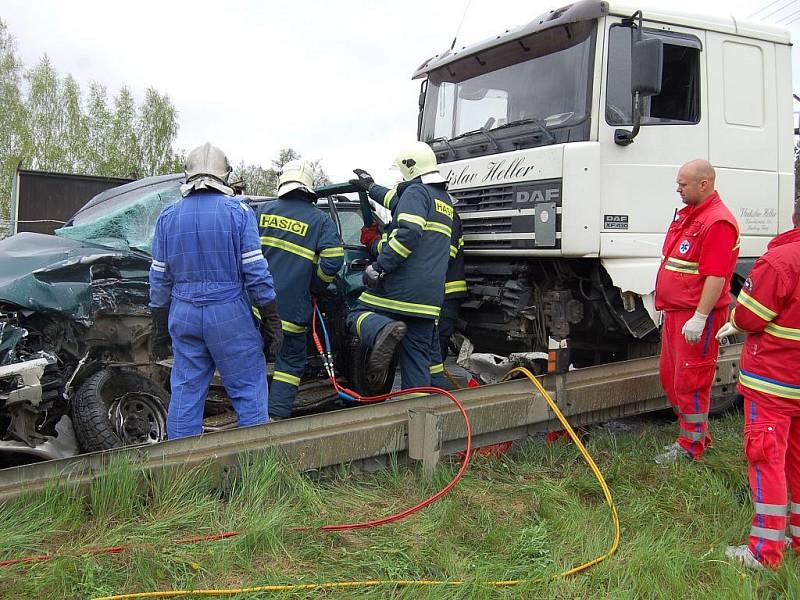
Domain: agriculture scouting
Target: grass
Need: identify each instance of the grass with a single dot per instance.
(533, 514)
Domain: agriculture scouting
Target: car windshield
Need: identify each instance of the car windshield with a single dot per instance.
(126, 220)
(541, 80)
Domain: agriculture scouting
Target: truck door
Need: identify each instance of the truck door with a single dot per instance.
(638, 181)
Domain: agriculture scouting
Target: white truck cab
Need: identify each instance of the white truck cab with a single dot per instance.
(561, 140)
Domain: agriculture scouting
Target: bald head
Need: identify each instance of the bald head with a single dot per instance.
(696, 181)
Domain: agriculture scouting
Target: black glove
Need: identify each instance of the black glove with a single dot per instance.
(364, 181)
(372, 276)
(270, 328)
(160, 342)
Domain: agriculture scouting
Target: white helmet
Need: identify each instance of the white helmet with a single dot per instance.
(207, 167)
(296, 175)
(418, 160)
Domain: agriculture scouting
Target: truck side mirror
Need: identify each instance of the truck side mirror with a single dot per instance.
(647, 60)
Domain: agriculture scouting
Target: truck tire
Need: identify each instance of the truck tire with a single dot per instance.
(119, 406)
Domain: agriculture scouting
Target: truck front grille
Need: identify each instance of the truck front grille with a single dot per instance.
(495, 198)
(522, 216)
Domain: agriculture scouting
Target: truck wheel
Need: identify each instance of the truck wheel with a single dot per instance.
(724, 403)
(119, 407)
(363, 382)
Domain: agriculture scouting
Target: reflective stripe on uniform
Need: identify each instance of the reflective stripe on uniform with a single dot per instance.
(453, 251)
(795, 530)
(795, 507)
(254, 258)
(159, 266)
(399, 305)
(695, 418)
(437, 369)
(453, 287)
(324, 276)
(787, 333)
(439, 228)
(755, 306)
(274, 242)
(286, 378)
(387, 197)
(332, 252)
(695, 436)
(360, 320)
(416, 219)
(770, 510)
(682, 266)
(290, 327)
(395, 245)
(769, 386)
(768, 534)
(251, 253)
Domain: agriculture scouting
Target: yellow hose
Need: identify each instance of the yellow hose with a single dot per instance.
(331, 585)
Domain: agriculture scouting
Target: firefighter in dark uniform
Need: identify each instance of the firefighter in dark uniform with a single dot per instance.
(374, 238)
(455, 288)
(304, 251)
(406, 281)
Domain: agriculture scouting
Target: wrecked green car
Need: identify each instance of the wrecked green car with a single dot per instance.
(75, 373)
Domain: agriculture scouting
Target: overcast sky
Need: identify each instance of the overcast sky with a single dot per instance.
(328, 78)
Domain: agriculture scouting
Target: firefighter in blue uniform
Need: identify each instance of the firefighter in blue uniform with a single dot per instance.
(406, 281)
(206, 271)
(304, 252)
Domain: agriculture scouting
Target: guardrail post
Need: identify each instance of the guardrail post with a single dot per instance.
(425, 438)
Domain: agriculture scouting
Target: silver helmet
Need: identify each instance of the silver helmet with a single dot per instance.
(207, 167)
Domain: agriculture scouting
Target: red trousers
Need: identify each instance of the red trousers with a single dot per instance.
(772, 447)
(687, 372)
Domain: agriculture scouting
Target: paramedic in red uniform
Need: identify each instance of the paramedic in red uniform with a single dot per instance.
(768, 310)
(693, 290)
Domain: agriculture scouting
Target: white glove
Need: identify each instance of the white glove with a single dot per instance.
(726, 330)
(693, 328)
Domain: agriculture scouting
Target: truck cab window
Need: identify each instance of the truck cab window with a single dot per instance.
(679, 100)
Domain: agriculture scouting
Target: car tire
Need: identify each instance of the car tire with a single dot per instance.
(116, 407)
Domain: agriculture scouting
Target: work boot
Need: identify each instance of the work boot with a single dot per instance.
(672, 454)
(385, 344)
(742, 555)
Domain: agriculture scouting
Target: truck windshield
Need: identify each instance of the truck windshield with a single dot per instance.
(538, 84)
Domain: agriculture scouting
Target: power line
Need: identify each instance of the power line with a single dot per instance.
(777, 10)
(792, 21)
(771, 4)
(795, 13)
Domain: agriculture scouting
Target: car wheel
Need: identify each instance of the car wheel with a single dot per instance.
(119, 407)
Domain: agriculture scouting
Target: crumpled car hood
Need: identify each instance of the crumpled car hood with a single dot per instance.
(49, 273)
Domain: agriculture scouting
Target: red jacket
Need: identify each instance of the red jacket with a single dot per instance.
(768, 308)
(681, 276)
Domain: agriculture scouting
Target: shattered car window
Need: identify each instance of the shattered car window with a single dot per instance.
(126, 221)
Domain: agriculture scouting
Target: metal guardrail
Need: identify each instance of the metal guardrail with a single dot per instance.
(368, 435)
